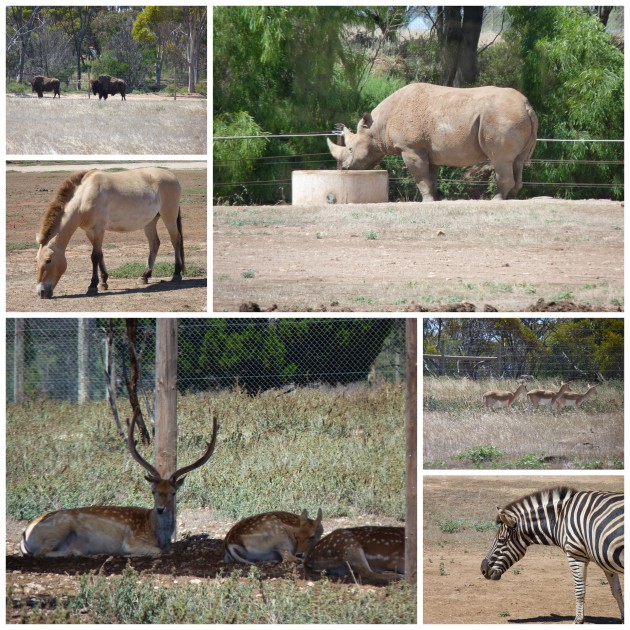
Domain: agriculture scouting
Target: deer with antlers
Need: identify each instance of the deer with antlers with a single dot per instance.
(116, 531)
(272, 537)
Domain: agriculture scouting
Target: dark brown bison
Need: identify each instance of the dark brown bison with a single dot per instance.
(41, 84)
(106, 85)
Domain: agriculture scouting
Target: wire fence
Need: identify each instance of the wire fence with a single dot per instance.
(73, 359)
(605, 174)
(526, 362)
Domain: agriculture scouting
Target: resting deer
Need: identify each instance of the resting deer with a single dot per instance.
(272, 537)
(573, 399)
(375, 553)
(545, 397)
(500, 398)
(116, 531)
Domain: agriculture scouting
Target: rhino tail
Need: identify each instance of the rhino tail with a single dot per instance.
(531, 143)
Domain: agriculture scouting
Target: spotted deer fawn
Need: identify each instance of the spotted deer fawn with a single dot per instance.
(545, 397)
(117, 531)
(573, 399)
(375, 553)
(500, 398)
(272, 537)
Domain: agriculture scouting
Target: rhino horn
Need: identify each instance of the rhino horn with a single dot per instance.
(335, 149)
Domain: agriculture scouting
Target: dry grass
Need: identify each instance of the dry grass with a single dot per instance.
(87, 126)
(459, 432)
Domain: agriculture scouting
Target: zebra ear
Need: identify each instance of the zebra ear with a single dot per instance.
(505, 518)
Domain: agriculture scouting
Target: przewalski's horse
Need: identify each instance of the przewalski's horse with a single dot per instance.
(97, 201)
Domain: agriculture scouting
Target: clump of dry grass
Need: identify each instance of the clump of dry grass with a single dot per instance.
(456, 423)
(87, 126)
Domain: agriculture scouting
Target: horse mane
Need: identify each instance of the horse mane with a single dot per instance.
(51, 219)
(542, 496)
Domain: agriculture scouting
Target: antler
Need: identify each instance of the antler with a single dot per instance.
(204, 458)
(131, 443)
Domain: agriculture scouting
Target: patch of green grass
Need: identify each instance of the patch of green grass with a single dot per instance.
(530, 461)
(371, 235)
(454, 525)
(310, 449)
(239, 598)
(563, 295)
(11, 247)
(363, 299)
(160, 270)
(479, 455)
(248, 273)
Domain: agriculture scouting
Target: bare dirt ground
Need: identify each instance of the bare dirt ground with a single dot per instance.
(450, 255)
(28, 195)
(538, 589)
(197, 556)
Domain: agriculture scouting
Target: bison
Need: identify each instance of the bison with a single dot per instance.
(41, 84)
(106, 85)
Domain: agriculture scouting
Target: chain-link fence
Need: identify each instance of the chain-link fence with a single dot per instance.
(528, 362)
(73, 359)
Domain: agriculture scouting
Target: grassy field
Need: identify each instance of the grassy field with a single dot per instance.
(459, 432)
(342, 450)
(86, 126)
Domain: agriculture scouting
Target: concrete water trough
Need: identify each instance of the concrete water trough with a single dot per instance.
(334, 187)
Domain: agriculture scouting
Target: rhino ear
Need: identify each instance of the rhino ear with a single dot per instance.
(365, 122)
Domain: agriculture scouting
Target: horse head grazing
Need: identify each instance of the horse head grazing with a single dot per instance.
(51, 259)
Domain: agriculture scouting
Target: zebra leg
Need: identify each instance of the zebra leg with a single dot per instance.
(578, 568)
(615, 588)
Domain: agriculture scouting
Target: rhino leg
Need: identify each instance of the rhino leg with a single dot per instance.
(423, 172)
(505, 181)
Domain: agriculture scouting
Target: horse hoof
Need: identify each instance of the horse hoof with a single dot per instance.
(176, 278)
(92, 290)
(104, 285)
(143, 280)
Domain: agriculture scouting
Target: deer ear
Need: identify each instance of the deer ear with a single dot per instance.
(178, 482)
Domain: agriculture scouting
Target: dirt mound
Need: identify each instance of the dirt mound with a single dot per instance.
(563, 306)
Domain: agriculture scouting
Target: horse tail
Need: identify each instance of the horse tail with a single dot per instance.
(51, 219)
(181, 238)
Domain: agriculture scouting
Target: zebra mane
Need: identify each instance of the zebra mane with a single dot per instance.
(541, 497)
(51, 219)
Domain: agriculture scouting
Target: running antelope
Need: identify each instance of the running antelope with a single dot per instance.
(375, 553)
(545, 397)
(272, 537)
(500, 398)
(116, 531)
(573, 399)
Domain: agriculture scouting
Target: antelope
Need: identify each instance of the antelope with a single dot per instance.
(573, 399)
(116, 531)
(272, 537)
(545, 397)
(375, 553)
(500, 398)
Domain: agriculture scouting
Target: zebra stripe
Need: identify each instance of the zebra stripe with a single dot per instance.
(587, 526)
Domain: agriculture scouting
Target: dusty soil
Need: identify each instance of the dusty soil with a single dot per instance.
(538, 589)
(28, 194)
(197, 556)
(477, 255)
(129, 96)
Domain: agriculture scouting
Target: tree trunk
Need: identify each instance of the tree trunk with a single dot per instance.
(449, 39)
(467, 69)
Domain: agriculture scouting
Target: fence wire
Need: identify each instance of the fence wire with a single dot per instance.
(578, 362)
(69, 359)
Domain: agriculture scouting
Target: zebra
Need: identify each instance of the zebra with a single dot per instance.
(587, 526)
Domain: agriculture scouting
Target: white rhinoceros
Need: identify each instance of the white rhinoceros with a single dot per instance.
(432, 125)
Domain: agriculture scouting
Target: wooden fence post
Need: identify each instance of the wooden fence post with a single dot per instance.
(166, 397)
(411, 523)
